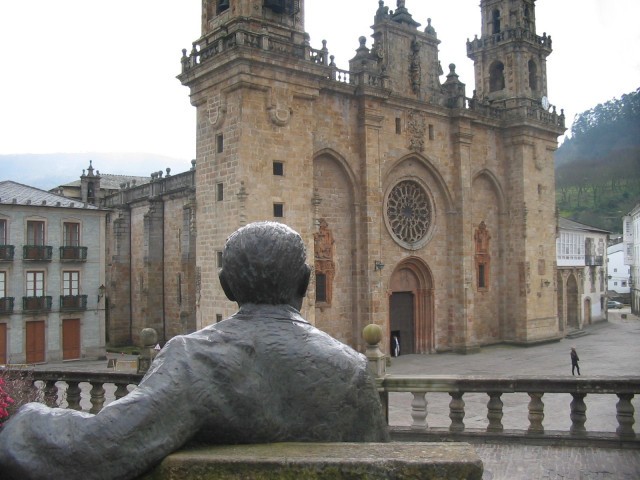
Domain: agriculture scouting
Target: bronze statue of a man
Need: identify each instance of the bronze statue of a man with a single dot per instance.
(263, 375)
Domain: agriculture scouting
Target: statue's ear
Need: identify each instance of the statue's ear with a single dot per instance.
(225, 286)
(304, 281)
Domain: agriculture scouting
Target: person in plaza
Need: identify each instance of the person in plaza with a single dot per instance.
(574, 361)
(263, 375)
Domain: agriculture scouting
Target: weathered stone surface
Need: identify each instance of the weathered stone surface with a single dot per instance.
(319, 461)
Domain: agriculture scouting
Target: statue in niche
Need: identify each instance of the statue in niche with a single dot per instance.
(483, 259)
(323, 242)
(324, 265)
(482, 238)
(263, 375)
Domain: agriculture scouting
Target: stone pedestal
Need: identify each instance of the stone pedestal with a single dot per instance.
(322, 461)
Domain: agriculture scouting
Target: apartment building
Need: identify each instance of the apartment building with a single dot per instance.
(52, 275)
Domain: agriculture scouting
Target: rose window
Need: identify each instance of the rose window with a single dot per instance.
(409, 213)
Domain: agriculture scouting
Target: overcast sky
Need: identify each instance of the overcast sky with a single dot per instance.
(89, 76)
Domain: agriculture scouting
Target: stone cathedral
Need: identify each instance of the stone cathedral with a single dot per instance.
(426, 208)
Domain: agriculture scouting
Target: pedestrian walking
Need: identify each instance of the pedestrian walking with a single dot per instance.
(574, 361)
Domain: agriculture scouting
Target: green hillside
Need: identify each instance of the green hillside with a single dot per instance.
(598, 167)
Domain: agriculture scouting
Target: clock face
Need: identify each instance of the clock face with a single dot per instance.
(545, 103)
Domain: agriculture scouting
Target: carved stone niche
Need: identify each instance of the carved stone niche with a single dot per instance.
(324, 263)
(482, 257)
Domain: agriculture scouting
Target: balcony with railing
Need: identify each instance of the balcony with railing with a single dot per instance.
(73, 254)
(6, 305)
(36, 304)
(72, 303)
(37, 253)
(6, 253)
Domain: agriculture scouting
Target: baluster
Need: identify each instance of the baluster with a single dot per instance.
(456, 412)
(121, 390)
(419, 411)
(624, 414)
(50, 392)
(494, 412)
(73, 395)
(536, 413)
(578, 414)
(97, 397)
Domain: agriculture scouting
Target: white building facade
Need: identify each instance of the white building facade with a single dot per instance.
(631, 240)
(582, 272)
(52, 273)
(618, 272)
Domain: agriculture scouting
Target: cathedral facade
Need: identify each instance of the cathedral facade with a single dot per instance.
(425, 210)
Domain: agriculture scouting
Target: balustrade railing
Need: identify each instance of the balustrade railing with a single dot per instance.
(158, 186)
(90, 391)
(208, 48)
(87, 391)
(517, 33)
(495, 390)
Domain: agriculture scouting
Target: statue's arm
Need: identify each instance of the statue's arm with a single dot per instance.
(122, 441)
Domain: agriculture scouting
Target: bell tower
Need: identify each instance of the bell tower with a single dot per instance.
(283, 13)
(510, 58)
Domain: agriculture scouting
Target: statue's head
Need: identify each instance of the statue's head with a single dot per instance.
(264, 263)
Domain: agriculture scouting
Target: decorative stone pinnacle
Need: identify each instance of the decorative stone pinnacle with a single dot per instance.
(402, 15)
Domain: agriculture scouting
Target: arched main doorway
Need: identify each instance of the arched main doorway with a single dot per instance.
(572, 303)
(411, 307)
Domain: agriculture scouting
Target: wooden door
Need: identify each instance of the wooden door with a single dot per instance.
(35, 342)
(70, 338)
(3, 343)
(402, 320)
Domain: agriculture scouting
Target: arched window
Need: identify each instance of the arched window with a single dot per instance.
(222, 6)
(496, 77)
(496, 21)
(533, 75)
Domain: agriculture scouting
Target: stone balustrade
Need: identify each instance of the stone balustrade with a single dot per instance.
(495, 389)
(91, 391)
(158, 185)
(478, 44)
(81, 390)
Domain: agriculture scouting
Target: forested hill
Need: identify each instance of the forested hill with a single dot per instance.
(598, 167)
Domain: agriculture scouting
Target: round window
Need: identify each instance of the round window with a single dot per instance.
(409, 214)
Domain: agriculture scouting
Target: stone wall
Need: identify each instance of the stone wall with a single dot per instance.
(151, 273)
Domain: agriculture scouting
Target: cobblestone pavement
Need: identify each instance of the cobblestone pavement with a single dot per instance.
(608, 348)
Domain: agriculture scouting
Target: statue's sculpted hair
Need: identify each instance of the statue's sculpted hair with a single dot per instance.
(264, 262)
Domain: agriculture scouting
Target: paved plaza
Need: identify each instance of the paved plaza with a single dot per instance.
(608, 348)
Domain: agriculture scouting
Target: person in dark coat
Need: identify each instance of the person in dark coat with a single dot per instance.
(264, 375)
(574, 361)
